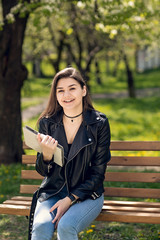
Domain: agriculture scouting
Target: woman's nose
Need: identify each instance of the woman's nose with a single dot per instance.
(66, 93)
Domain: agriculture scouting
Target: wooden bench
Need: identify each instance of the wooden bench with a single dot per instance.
(119, 205)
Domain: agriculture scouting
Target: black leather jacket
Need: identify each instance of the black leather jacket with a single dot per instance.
(85, 165)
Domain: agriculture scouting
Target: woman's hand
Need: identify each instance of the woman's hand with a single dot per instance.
(62, 206)
(48, 145)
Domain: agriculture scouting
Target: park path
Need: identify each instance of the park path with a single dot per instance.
(33, 111)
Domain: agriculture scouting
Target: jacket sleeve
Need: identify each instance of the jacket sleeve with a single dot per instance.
(42, 167)
(96, 172)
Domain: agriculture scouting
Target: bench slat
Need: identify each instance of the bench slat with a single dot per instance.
(134, 161)
(131, 203)
(110, 191)
(29, 159)
(28, 188)
(14, 210)
(129, 145)
(132, 177)
(131, 209)
(22, 198)
(113, 216)
(109, 176)
(16, 202)
(132, 192)
(135, 145)
(115, 160)
(31, 174)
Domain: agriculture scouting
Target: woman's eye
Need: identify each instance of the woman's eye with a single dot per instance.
(72, 89)
(60, 91)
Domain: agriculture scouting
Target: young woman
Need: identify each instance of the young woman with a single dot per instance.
(71, 196)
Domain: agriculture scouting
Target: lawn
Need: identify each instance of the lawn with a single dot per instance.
(41, 86)
(130, 119)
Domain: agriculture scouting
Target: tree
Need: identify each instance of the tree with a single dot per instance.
(15, 15)
(129, 21)
(85, 42)
(12, 75)
(125, 19)
(64, 37)
(45, 40)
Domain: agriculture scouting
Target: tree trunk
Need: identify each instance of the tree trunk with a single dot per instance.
(37, 68)
(136, 58)
(117, 61)
(12, 75)
(98, 79)
(108, 65)
(130, 80)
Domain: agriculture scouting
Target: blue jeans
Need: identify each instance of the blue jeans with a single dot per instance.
(76, 219)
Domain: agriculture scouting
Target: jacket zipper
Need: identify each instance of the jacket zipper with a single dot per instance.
(49, 167)
(71, 160)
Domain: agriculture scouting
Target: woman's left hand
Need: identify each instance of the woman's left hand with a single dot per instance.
(62, 206)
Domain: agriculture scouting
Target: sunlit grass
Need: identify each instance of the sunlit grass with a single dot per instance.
(26, 103)
(36, 87)
(41, 86)
(111, 83)
(130, 119)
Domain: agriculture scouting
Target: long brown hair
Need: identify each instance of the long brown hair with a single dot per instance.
(53, 106)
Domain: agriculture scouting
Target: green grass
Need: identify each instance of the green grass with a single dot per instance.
(41, 86)
(36, 87)
(110, 83)
(15, 228)
(8, 175)
(130, 119)
(28, 102)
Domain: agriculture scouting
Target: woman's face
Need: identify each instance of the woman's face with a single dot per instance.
(70, 95)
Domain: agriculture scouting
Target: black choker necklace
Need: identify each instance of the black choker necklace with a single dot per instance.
(73, 116)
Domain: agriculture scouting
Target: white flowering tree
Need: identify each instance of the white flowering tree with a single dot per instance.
(81, 30)
(130, 23)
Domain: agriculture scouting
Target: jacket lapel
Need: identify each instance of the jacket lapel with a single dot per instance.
(82, 138)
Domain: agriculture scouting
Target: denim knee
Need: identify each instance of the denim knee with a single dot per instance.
(41, 231)
(64, 228)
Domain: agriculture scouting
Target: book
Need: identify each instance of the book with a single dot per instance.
(30, 138)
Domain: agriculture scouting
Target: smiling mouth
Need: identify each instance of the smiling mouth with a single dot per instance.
(69, 101)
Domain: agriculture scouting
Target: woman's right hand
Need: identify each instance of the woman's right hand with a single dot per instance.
(48, 145)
